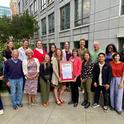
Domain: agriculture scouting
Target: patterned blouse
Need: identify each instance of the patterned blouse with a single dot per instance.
(87, 70)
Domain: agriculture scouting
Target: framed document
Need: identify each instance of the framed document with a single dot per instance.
(66, 71)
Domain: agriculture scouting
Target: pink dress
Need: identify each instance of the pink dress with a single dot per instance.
(31, 85)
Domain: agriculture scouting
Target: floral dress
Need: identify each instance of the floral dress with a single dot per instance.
(31, 85)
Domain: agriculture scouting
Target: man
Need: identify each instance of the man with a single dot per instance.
(102, 74)
(25, 46)
(14, 75)
(82, 48)
(96, 51)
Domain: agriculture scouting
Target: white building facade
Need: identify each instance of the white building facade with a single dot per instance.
(71, 20)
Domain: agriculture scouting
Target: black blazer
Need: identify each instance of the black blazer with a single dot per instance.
(106, 73)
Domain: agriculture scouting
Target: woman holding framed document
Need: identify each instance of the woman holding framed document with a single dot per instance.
(56, 80)
(77, 63)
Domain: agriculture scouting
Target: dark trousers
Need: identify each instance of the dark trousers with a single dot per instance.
(104, 92)
(75, 91)
(1, 104)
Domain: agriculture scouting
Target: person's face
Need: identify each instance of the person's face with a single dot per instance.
(96, 46)
(101, 58)
(123, 47)
(82, 43)
(29, 54)
(86, 56)
(75, 53)
(110, 48)
(117, 58)
(47, 58)
(39, 44)
(59, 53)
(26, 44)
(53, 48)
(66, 46)
(15, 55)
(10, 44)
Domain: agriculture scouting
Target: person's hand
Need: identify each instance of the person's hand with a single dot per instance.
(1, 77)
(106, 86)
(8, 83)
(83, 81)
(120, 86)
(75, 79)
(95, 84)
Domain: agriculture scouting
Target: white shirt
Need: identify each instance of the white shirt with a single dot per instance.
(22, 55)
(100, 75)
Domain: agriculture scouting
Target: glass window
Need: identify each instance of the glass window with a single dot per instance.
(31, 9)
(50, 1)
(43, 4)
(35, 5)
(122, 7)
(19, 9)
(65, 17)
(82, 11)
(43, 25)
(62, 45)
(51, 23)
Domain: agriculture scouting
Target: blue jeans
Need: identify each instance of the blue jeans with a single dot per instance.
(1, 104)
(16, 91)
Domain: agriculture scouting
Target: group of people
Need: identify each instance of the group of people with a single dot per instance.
(94, 72)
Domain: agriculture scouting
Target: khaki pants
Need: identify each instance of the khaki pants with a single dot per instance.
(88, 95)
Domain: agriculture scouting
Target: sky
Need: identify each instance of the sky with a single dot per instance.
(4, 3)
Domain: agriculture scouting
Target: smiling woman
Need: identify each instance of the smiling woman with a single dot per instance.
(5, 3)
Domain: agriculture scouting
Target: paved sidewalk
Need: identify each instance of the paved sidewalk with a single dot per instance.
(55, 114)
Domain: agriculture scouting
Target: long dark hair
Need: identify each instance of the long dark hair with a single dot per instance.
(89, 56)
(7, 47)
(107, 48)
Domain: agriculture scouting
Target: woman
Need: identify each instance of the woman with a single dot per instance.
(110, 50)
(52, 51)
(86, 79)
(76, 60)
(56, 81)
(8, 51)
(39, 53)
(31, 70)
(7, 55)
(116, 85)
(45, 79)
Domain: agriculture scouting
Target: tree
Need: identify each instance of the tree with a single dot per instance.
(4, 28)
(23, 26)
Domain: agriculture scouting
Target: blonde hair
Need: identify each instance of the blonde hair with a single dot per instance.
(29, 50)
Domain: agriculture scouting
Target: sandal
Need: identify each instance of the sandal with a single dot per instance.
(62, 101)
(58, 102)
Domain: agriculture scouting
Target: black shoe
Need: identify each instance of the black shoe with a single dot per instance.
(87, 105)
(20, 105)
(119, 112)
(15, 107)
(75, 104)
(70, 103)
(84, 103)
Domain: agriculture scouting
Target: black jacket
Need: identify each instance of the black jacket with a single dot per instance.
(106, 73)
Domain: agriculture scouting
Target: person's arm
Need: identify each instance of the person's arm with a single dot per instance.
(95, 76)
(121, 85)
(54, 64)
(6, 71)
(41, 72)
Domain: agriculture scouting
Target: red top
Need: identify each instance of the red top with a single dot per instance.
(39, 55)
(117, 69)
(77, 63)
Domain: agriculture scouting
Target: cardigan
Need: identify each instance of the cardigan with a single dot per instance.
(25, 65)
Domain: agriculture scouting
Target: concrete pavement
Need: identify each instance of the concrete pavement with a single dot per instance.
(54, 114)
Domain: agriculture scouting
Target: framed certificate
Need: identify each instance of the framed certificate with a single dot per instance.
(66, 71)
